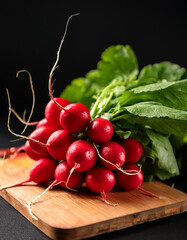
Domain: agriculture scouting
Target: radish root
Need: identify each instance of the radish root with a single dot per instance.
(103, 195)
(148, 193)
(22, 120)
(56, 62)
(37, 197)
(77, 165)
(15, 153)
(15, 134)
(33, 97)
(55, 183)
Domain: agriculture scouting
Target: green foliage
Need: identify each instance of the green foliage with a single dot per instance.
(151, 106)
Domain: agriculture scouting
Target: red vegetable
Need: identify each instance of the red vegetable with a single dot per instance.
(81, 155)
(100, 130)
(52, 111)
(133, 150)
(129, 182)
(114, 153)
(75, 117)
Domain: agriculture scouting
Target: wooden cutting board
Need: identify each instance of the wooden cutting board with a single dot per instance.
(63, 214)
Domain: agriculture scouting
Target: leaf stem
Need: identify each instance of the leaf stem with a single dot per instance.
(113, 84)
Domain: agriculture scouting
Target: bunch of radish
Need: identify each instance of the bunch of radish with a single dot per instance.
(71, 149)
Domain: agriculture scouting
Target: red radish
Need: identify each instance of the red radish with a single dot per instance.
(30, 152)
(81, 155)
(133, 150)
(41, 172)
(40, 134)
(52, 111)
(100, 180)
(62, 173)
(75, 117)
(58, 143)
(65, 177)
(114, 153)
(42, 123)
(100, 130)
(129, 182)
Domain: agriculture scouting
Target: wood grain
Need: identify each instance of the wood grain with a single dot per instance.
(63, 214)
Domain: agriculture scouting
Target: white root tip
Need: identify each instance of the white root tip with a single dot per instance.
(30, 211)
(103, 195)
(4, 187)
(71, 172)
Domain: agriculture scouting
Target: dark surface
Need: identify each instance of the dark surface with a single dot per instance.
(30, 35)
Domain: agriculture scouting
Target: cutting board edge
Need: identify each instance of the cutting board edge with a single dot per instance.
(116, 224)
(95, 229)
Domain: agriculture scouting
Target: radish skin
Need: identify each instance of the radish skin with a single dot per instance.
(100, 130)
(133, 150)
(58, 143)
(129, 182)
(75, 117)
(41, 172)
(40, 134)
(114, 153)
(52, 111)
(81, 155)
(99, 180)
(62, 178)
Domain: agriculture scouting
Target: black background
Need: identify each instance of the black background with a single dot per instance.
(30, 35)
(31, 32)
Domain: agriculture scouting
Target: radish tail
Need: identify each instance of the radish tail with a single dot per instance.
(33, 97)
(39, 196)
(76, 166)
(56, 62)
(18, 135)
(15, 185)
(148, 193)
(18, 150)
(103, 195)
(23, 120)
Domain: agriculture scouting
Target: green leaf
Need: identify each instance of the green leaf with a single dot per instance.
(159, 71)
(166, 165)
(117, 61)
(123, 134)
(156, 110)
(170, 94)
(80, 91)
(160, 118)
